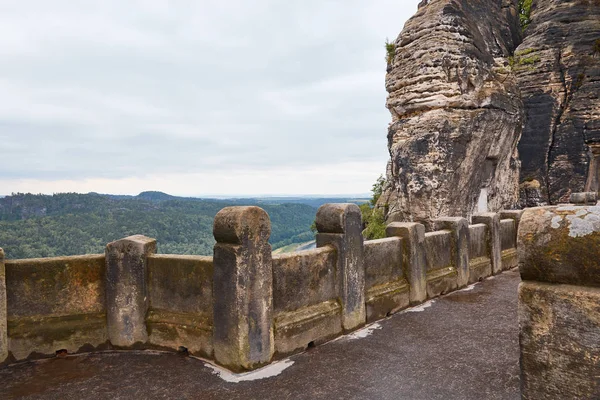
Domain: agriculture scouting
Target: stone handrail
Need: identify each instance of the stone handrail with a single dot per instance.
(243, 307)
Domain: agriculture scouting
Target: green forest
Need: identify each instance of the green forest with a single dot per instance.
(70, 223)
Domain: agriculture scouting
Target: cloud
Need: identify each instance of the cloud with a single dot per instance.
(105, 92)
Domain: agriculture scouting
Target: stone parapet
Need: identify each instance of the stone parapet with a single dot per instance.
(559, 302)
(244, 307)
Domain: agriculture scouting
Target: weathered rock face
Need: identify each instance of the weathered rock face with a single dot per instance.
(456, 111)
(558, 70)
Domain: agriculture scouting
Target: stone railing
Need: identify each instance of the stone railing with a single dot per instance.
(243, 307)
(559, 302)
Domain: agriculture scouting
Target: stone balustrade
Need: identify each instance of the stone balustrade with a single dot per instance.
(243, 307)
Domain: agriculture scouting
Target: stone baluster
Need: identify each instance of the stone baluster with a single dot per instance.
(460, 245)
(340, 225)
(126, 293)
(415, 264)
(243, 288)
(492, 221)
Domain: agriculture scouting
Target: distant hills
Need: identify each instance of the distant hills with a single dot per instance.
(72, 223)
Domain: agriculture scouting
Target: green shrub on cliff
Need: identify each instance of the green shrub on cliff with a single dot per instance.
(390, 51)
(372, 216)
(525, 13)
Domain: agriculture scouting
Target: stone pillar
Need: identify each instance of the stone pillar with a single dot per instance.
(3, 316)
(340, 225)
(415, 263)
(126, 295)
(243, 288)
(559, 303)
(492, 221)
(515, 215)
(460, 245)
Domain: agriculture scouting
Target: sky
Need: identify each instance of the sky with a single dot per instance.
(195, 98)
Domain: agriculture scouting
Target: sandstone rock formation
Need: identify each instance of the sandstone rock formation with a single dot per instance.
(558, 70)
(456, 111)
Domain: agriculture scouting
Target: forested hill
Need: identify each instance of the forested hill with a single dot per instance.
(72, 223)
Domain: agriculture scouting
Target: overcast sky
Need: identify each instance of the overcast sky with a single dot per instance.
(237, 97)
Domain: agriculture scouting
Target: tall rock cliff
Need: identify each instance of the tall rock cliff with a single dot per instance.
(558, 70)
(456, 111)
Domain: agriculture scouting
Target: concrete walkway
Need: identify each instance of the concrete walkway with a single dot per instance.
(464, 346)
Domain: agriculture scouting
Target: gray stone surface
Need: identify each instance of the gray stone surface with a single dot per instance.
(558, 70)
(560, 244)
(243, 287)
(340, 225)
(590, 198)
(460, 236)
(560, 332)
(494, 243)
(465, 346)
(413, 241)
(126, 291)
(3, 316)
(386, 285)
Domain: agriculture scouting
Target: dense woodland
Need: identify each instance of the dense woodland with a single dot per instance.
(70, 223)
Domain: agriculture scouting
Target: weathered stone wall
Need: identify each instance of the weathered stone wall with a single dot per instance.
(559, 302)
(558, 71)
(54, 304)
(243, 307)
(180, 291)
(456, 112)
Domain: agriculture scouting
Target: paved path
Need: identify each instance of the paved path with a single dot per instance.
(465, 346)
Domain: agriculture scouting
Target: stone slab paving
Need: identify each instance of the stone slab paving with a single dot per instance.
(463, 346)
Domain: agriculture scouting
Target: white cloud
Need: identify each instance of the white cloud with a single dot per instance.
(244, 96)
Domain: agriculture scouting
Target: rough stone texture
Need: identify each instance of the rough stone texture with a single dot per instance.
(460, 236)
(55, 303)
(340, 225)
(559, 302)
(560, 332)
(480, 264)
(465, 346)
(558, 70)
(508, 243)
(492, 222)
(560, 244)
(3, 322)
(305, 299)
(387, 287)
(456, 111)
(441, 275)
(413, 252)
(126, 290)
(180, 294)
(243, 287)
(590, 198)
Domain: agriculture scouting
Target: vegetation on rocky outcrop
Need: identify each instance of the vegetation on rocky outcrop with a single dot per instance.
(373, 215)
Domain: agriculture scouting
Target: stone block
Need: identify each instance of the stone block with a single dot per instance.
(559, 337)
(3, 315)
(413, 241)
(584, 198)
(387, 287)
(560, 244)
(243, 288)
(515, 215)
(493, 239)
(126, 292)
(460, 237)
(340, 225)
